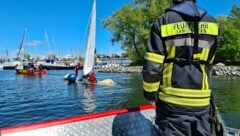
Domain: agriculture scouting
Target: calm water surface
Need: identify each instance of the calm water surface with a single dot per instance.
(29, 99)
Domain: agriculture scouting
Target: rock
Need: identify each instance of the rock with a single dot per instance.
(218, 70)
(220, 64)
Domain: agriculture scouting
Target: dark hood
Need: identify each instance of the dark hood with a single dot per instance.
(188, 8)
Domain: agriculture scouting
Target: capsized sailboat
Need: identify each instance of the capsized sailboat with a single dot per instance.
(89, 61)
(90, 49)
(88, 64)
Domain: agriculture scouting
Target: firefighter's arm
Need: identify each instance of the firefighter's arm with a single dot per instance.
(153, 64)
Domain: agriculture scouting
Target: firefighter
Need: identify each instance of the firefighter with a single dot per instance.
(176, 70)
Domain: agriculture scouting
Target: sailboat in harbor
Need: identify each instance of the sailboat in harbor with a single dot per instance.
(52, 64)
(9, 64)
(25, 67)
(89, 59)
(88, 65)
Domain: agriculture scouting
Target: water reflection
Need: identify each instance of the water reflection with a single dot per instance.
(89, 100)
(84, 93)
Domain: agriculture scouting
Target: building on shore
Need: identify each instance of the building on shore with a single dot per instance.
(114, 60)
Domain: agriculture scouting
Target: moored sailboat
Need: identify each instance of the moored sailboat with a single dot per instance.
(25, 67)
(30, 69)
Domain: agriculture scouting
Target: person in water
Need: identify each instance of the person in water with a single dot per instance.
(90, 78)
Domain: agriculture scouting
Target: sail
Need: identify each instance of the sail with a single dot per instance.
(90, 49)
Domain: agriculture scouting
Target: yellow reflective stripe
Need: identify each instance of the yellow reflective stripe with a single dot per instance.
(171, 52)
(208, 28)
(211, 61)
(151, 87)
(154, 57)
(176, 29)
(188, 27)
(167, 74)
(197, 56)
(204, 54)
(168, 67)
(205, 84)
(184, 101)
(187, 92)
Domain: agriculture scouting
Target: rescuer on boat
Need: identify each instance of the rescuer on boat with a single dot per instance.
(40, 67)
(180, 52)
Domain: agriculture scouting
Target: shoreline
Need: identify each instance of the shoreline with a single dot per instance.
(218, 70)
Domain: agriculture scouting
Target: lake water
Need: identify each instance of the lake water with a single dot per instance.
(29, 99)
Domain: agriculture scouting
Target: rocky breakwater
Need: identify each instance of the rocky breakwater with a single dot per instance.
(218, 70)
(221, 70)
(135, 70)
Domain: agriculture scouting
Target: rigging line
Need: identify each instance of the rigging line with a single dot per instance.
(26, 40)
(54, 46)
(5, 43)
(21, 43)
(47, 42)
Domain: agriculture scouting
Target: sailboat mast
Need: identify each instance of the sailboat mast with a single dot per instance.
(47, 42)
(21, 44)
(7, 55)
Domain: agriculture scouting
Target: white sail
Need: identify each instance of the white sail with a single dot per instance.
(90, 49)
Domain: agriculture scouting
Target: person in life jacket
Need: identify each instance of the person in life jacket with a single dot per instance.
(92, 78)
(40, 67)
(16, 66)
(76, 68)
(176, 70)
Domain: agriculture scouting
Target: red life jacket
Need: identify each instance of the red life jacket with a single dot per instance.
(92, 78)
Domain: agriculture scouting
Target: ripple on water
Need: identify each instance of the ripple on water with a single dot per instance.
(29, 99)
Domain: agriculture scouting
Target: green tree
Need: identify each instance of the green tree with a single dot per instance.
(130, 25)
(80, 58)
(235, 13)
(17, 58)
(27, 56)
(38, 59)
(52, 56)
(229, 49)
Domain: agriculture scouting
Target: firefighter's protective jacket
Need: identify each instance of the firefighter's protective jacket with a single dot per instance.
(180, 51)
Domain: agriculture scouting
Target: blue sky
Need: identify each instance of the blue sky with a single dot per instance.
(65, 22)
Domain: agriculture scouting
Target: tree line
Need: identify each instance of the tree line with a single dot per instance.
(130, 26)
